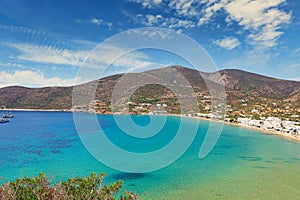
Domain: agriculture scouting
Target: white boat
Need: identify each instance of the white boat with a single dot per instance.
(8, 115)
(3, 120)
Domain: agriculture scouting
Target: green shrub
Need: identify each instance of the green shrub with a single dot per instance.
(38, 188)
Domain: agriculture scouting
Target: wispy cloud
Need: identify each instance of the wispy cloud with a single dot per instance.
(228, 43)
(148, 3)
(109, 57)
(49, 54)
(166, 22)
(21, 29)
(106, 56)
(96, 21)
(14, 65)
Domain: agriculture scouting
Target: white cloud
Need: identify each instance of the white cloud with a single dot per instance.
(96, 22)
(157, 1)
(150, 20)
(266, 38)
(228, 43)
(31, 79)
(209, 11)
(186, 8)
(14, 65)
(264, 20)
(158, 34)
(166, 22)
(148, 3)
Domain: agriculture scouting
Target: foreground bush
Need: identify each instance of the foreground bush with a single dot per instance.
(74, 188)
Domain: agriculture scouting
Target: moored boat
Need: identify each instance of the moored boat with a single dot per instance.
(3, 120)
(8, 115)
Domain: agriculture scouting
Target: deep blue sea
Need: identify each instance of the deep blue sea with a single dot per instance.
(244, 164)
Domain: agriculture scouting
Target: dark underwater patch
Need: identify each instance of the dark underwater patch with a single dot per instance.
(250, 158)
(128, 176)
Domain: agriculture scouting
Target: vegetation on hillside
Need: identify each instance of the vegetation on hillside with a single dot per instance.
(246, 93)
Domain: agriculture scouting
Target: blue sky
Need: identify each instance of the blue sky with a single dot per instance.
(43, 43)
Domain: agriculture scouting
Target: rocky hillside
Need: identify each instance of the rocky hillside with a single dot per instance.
(246, 92)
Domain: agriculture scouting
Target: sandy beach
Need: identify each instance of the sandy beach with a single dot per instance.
(295, 138)
(270, 132)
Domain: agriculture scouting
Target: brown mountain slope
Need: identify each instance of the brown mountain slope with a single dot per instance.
(39, 98)
(250, 83)
(244, 91)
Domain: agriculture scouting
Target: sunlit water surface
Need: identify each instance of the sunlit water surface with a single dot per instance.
(244, 164)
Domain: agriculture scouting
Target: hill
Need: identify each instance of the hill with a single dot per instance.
(245, 92)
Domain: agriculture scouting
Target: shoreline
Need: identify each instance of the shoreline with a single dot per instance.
(293, 138)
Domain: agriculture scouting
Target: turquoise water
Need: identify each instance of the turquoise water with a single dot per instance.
(243, 165)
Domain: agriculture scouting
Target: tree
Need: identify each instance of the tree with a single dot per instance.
(256, 116)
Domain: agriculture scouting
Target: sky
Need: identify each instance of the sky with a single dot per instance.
(44, 43)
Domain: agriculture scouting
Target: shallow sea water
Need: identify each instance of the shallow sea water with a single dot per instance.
(244, 164)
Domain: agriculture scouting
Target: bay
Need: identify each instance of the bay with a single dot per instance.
(244, 164)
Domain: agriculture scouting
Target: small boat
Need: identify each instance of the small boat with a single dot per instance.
(8, 115)
(3, 120)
